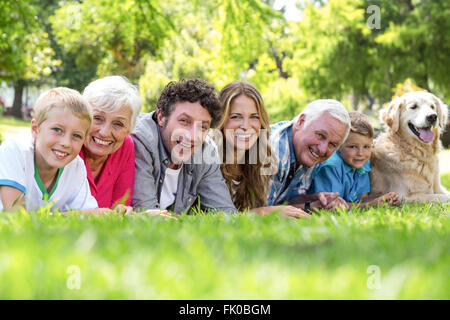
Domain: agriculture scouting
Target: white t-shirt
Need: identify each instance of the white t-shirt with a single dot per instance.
(17, 169)
(169, 188)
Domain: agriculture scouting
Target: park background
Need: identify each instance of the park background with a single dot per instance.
(294, 52)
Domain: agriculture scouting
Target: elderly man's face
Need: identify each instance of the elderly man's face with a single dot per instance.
(317, 142)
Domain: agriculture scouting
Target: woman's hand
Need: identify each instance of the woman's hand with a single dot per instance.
(121, 208)
(158, 212)
(284, 211)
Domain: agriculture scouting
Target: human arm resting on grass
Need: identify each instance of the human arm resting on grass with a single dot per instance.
(11, 198)
(319, 200)
(284, 211)
(327, 188)
(390, 198)
(12, 175)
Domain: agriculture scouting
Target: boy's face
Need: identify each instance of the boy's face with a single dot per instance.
(356, 150)
(184, 131)
(58, 139)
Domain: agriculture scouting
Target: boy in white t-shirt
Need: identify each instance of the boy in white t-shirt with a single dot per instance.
(47, 169)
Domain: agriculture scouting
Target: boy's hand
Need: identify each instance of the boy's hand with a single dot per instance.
(390, 198)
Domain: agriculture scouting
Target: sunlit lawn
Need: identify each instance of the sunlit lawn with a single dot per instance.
(330, 256)
(225, 257)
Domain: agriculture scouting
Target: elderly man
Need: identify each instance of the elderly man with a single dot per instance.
(300, 144)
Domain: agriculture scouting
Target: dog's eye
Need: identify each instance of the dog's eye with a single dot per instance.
(432, 107)
(414, 106)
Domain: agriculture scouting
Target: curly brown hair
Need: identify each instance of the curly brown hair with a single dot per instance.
(192, 90)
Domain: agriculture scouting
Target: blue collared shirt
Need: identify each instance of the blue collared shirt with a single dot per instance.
(334, 175)
(289, 181)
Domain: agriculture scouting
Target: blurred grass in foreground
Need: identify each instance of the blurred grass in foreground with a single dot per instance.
(228, 257)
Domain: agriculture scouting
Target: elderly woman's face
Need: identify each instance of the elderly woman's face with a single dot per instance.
(108, 131)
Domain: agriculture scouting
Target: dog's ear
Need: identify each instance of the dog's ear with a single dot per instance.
(391, 114)
(442, 111)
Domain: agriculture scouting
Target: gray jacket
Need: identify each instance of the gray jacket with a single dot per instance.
(201, 180)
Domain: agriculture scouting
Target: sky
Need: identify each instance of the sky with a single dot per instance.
(291, 13)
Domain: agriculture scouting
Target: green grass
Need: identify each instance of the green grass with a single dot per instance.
(13, 122)
(228, 257)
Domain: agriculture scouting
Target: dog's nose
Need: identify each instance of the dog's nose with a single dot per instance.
(432, 118)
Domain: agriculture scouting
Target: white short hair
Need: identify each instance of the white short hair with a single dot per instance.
(112, 93)
(333, 107)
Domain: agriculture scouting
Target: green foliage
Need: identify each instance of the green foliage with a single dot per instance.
(334, 53)
(223, 257)
(25, 51)
(114, 35)
(284, 99)
(230, 40)
(330, 53)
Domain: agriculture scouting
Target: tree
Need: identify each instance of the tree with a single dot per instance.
(229, 40)
(111, 36)
(25, 52)
(334, 53)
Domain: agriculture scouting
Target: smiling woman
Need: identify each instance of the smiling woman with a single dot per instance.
(108, 151)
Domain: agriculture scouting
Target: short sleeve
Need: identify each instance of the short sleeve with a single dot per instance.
(12, 166)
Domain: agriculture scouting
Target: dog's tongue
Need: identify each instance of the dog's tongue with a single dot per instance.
(426, 135)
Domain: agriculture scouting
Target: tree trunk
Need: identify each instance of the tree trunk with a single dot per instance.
(16, 109)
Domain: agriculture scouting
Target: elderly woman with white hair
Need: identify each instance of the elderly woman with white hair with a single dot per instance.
(108, 151)
(300, 144)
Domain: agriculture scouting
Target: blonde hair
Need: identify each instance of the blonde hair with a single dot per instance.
(360, 124)
(62, 97)
(251, 192)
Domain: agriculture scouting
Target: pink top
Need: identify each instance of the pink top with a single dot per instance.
(116, 177)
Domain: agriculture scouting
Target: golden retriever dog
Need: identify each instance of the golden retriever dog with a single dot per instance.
(405, 157)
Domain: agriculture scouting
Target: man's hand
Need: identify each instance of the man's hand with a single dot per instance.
(329, 201)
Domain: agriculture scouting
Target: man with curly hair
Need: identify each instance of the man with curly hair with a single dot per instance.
(177, 166)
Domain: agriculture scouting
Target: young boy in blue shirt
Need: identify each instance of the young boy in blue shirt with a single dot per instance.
(347, 170)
